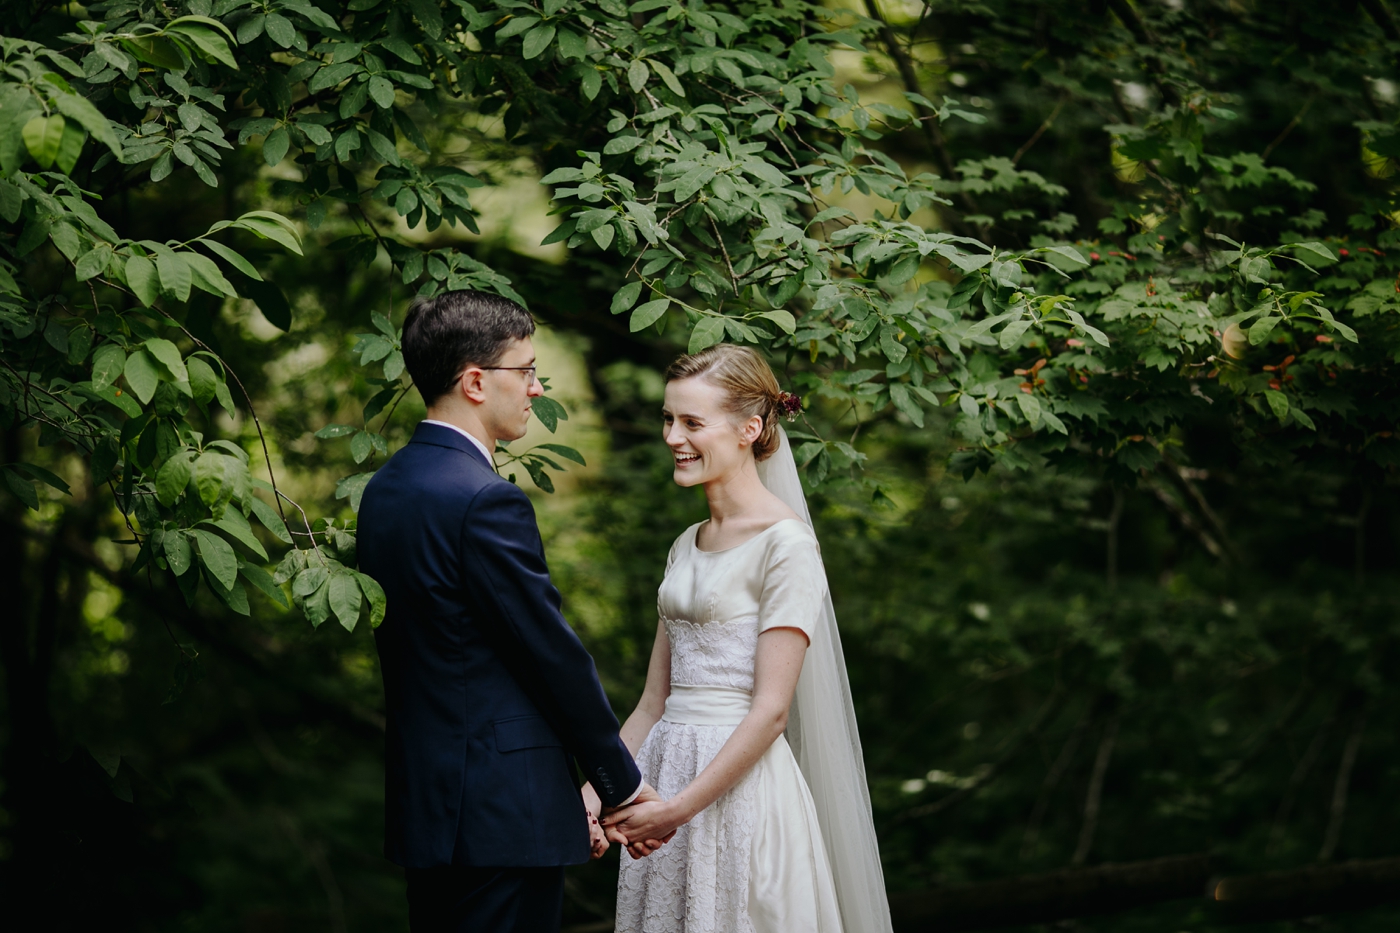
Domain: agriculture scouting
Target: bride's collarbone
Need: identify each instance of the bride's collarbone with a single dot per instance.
(712, 537)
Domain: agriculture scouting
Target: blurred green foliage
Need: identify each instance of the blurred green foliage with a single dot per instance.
(1165, 626)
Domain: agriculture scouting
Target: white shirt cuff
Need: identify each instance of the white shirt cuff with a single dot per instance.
(633, 796)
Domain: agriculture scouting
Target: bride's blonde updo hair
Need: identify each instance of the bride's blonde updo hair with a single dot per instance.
(749, 386)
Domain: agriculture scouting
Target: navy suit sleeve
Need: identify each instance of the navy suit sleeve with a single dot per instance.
(501, 546)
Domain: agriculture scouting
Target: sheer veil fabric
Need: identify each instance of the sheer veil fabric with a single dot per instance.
(826, 742)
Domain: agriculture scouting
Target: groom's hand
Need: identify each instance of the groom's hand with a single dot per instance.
(642, 847)
(642, 826)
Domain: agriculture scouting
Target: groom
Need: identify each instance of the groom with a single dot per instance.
(490, 695)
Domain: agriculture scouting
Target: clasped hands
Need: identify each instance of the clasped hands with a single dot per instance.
(641, 827)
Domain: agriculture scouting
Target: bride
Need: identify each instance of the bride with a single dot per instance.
(771, 834)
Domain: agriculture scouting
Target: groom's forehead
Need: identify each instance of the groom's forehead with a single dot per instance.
(521, 352)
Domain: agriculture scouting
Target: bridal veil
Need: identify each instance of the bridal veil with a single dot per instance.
(826, 742)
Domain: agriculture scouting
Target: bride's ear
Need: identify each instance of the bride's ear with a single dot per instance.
(750, 431)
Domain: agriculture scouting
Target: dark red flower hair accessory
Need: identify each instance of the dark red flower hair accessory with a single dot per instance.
(789, 404)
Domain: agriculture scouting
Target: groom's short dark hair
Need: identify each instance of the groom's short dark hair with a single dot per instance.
(450, 331)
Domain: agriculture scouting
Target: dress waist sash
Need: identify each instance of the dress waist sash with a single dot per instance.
(707, 705)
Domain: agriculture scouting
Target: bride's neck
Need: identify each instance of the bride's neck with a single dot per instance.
(734, 496)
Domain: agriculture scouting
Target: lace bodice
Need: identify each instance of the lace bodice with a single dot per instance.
(715, 604)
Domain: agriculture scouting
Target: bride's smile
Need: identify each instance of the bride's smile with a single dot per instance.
(707, 442)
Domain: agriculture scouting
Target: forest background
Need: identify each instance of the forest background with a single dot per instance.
(1092, 306)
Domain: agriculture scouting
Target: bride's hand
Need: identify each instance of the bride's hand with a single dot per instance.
(651, 824)
(597, 839)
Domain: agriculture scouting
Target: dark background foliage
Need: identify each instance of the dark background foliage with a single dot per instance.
(1172, 632)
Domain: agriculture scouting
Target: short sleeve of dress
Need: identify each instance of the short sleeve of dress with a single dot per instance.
(794, 583)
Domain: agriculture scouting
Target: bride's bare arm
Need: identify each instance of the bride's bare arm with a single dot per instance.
(649, 707)
(653, 701)
(776, 669)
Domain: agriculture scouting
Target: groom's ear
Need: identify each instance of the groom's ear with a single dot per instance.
(472, 384)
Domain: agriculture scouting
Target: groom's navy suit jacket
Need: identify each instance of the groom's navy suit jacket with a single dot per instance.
(489, 692)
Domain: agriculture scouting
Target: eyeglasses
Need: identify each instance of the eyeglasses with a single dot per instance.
(519, 369)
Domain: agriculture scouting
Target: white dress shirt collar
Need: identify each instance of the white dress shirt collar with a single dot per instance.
(479, 446)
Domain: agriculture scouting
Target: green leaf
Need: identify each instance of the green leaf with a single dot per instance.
(1260, 330)
(572, 45)
(233, 258)
(648, 314)
(141, 276)
(637, 75)
(626, 297)
(42, 475)
(206, 276)
(335, 430)
(70, 147)
(42, 136)
(210, 44)
(85, 113)
(172, 479)
(375, 594)
(381, 91)
(591, 83)
(155, 50)
(1030, 407)
(142, 375)
(175, 545)
(107, 365)
(1071, 256)
(280, 30)
(217, 556)
(708, 332)
(22, 488)
(211, 472)
(275, 145)
(1318, 250)
(549, 412)
(537, 40)
(236, 526)
(783, 319)
(93, 263)
(269, 518)
(568, 453)
(309, 580)
(271, 302)
(968, 404)
(1278, 402)
(353, 487)
(668, 77)
(202, 379)
(169, 356)
(271, 226)
(345, 597)
(904, 400)
(175, 276)
(260, 579)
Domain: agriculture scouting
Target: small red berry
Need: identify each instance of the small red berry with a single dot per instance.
(1094, 257)
(1343, 252)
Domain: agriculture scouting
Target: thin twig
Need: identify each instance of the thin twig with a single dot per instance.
(1295, 780)
(1292, 125)
(1052, 778)
(733, 278)
(1043, 715)
(1035, 137)
(1093, 800)
(252, 411)
(1340, 787)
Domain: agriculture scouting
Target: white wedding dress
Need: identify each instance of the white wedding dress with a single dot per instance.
(754, 861)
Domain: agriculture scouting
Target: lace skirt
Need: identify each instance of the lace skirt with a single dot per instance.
(751, 862)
